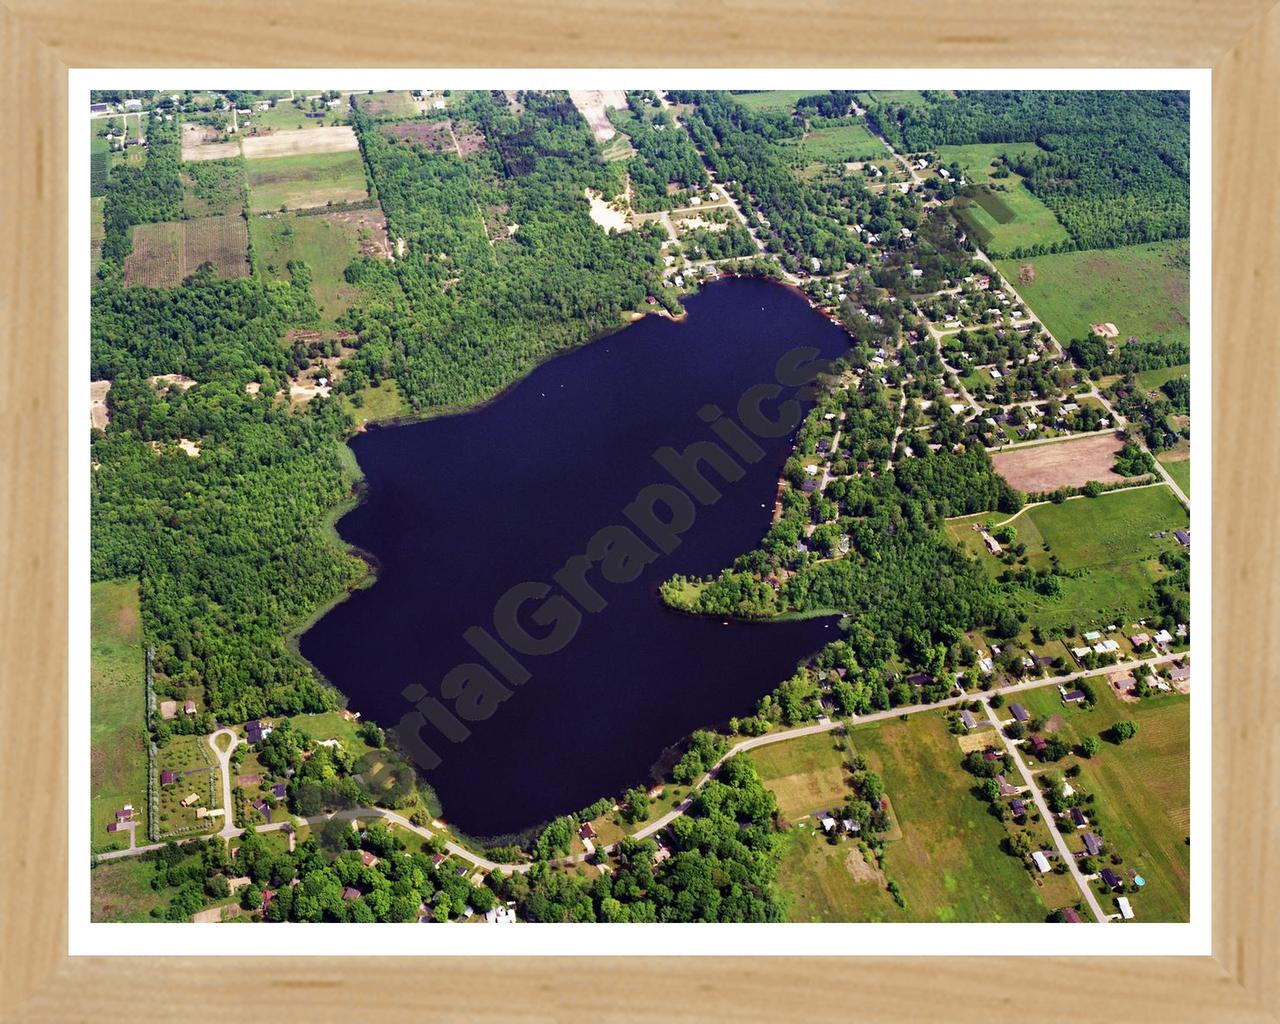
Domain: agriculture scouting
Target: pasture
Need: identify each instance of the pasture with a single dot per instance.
(1149, 380)
(949, 862)
(977, 160)
(327, 243)
(1040, 468)
(805, 774)
(165, 254)
(1143, 289)
(1141, 790)
(307, 181)
(1005, 216)
(773, 100)
(117, 711)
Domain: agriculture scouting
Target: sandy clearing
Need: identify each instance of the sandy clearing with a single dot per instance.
(860, 870)
(592, 103)
(253, 387)
(605, 215)
(188, 446)
(299, 141)
(168, 380)
(99, 414)
(300, 394)
(1046, 467)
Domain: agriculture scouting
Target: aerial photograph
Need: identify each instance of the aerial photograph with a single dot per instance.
(524, 506)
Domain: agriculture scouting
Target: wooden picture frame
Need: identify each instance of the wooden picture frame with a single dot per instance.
(1239, 39)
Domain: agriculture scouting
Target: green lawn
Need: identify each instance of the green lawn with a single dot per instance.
(1149, 380)
(117, 711)
(297, 182)
(381, 403)
(325, 244)
(976, 160)
(1141, 790)
(805, 774)
(1109, 537)
(1142, 289)
(845, 143)
(949, 862)
(816, 878)
(284, 116)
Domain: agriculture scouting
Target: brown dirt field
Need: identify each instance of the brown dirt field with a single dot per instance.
(591, 104)
(469, 140)
(165, 254)
(300, 141)
(1054, 723)
(370, 229)
(99, 414)
(980, 739)
(1046, 467)
(861, 871)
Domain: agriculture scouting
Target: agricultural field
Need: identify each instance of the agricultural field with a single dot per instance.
(842, 144)
(391, 104)
(327, 243)
(117, 711)
(1143, 289)
(949, 862)
(1141, 790)
(97, 232)
(1005, 216)
(165, 254)
(305, 182)
(99, 162)
(214, 187)
(1040, 468)
(306, 142)
(805, 774)
(1109, 537)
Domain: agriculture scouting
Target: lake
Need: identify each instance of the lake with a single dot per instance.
(461, 509)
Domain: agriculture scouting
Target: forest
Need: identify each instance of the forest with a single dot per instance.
(666, 168)
(143, 195)
(1114, 167)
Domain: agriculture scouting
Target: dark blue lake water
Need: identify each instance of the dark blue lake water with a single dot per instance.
(460, 509)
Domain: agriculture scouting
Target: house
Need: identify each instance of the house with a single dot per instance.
(1126, 908)
(1040, 861)
(986, 665)
(189, 799)
(501, 914)
(1180, 672)
(827, 822)
(1038, 743)
(1019, 712)
(851, 826)
(1071, 916)
(350, 893)
(133, 104)
(438, 859)
(1019, 808)
(1163, 637)
(113, 826)
(257, 730)
(125, 813)
(1139, 639)
(1005, 788)
(586, 831)
(1092, 844)
(1078, 818)
(1080, 653)
(168, 709)
(990, 755)
(966, 716)
(279, 790)
(1111, 880)
(367, 859)
(1183, 537)
(189, 707)
(168, 778)
(1072, 696)
(98, 108)
(919, 679)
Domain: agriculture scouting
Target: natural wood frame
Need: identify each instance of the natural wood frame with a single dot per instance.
(40, 39)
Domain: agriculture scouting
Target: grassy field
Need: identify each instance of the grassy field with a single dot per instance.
(1142, 289)
(839, 145)
(381, 403)
(1141, 791)
(1180, 470)
(325, 244)
(774, 99)
(1109, 537)
(949, 863)
(299, 182)
(1149, 380)
(213, 187)
(906, 97)
(805, 774)
(976, 160)
(97, 232)
(120, 890)
(826, 882)
(284, 116)
(1005, 216)
(117, 711)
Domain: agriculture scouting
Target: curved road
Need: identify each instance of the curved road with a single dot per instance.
(230, 830)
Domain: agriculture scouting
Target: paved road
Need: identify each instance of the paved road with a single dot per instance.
(229, 829)
(1047, 817)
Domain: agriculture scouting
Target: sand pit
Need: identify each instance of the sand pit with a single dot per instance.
(592, 103)
(99, 414)
(301, 141)
(1037, 469)
(606, 216)
(164, 381)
